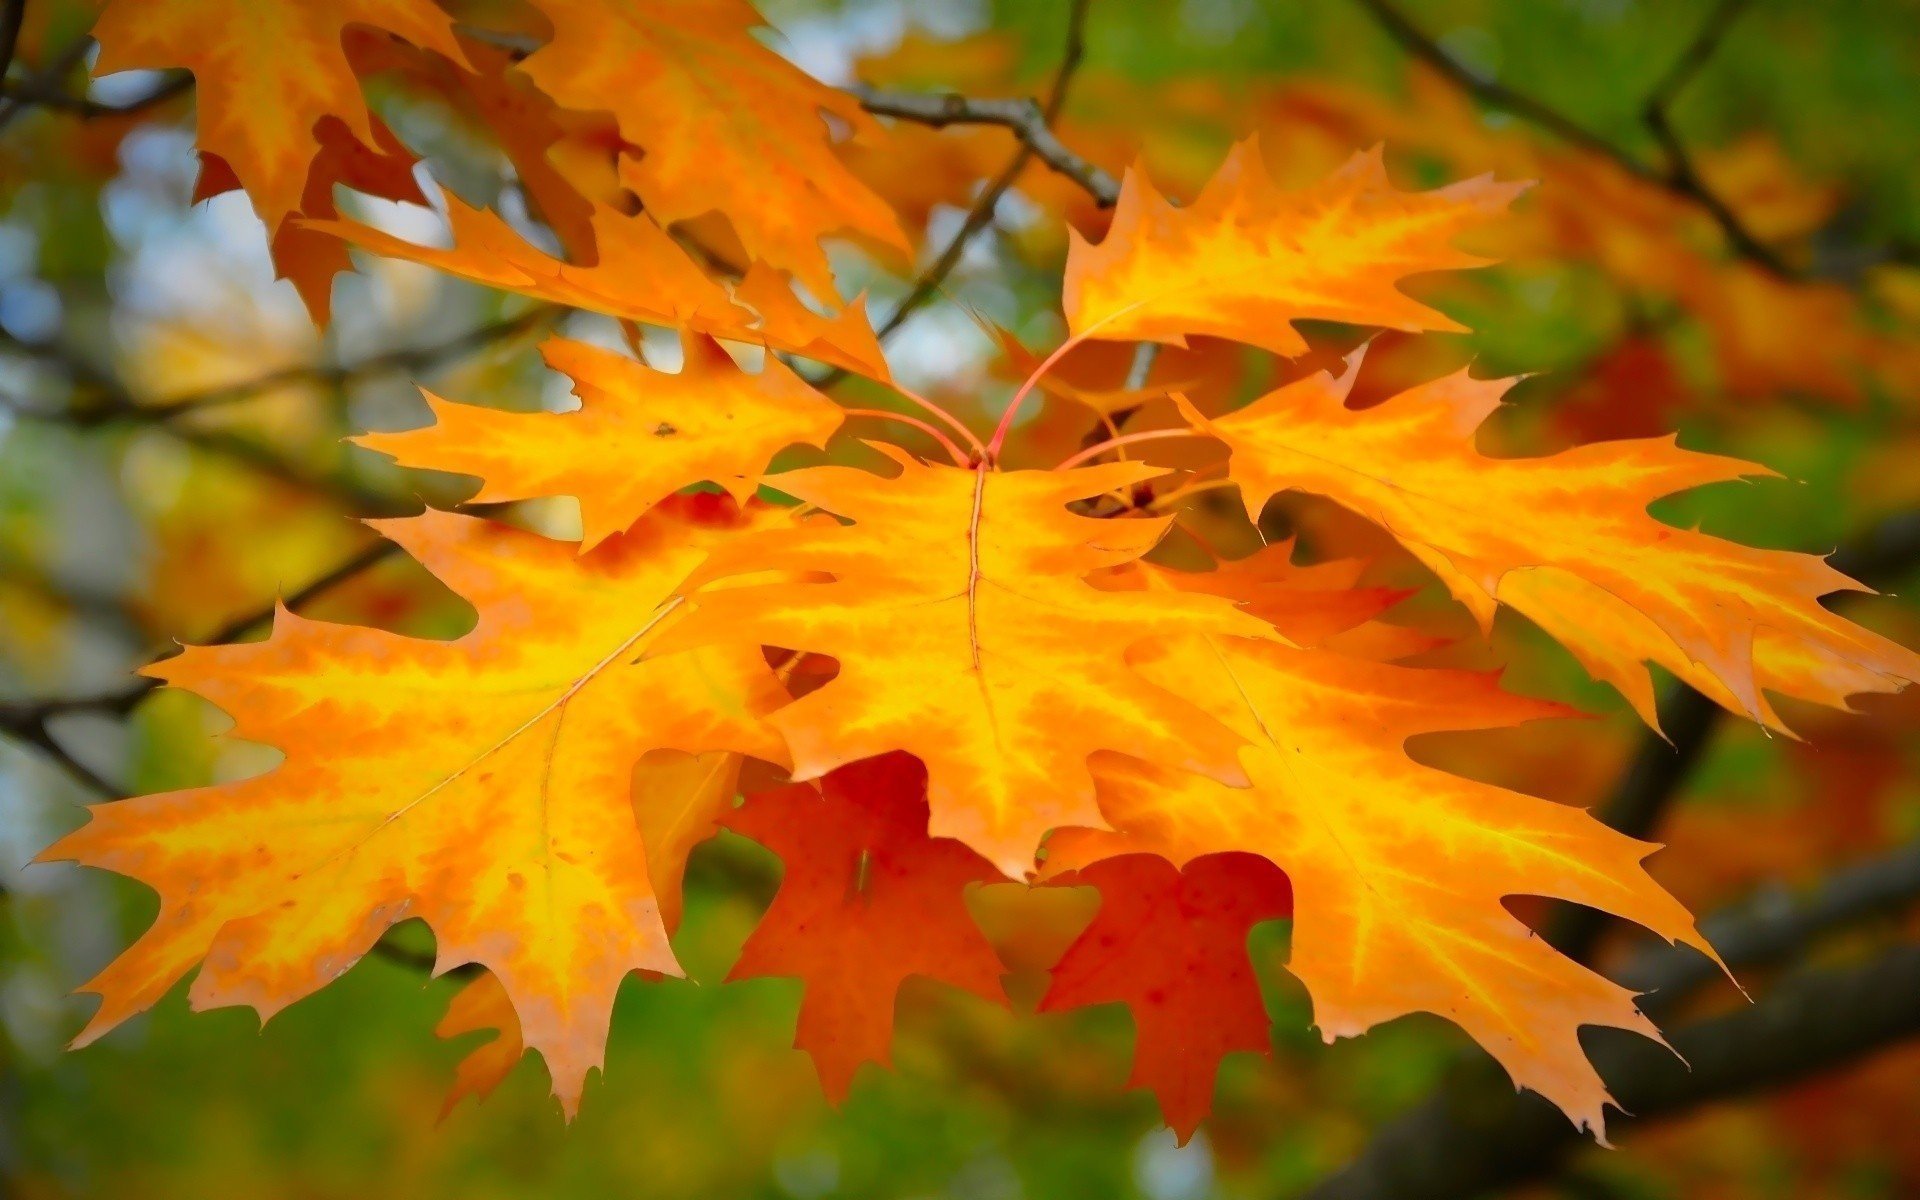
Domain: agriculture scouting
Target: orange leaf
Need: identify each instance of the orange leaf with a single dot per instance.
(968, 635)
(868, 899)
(1399, 870)
(639, 275)
(1245, 259)
(1171, 945)
(486, 789)
(266, 73)
(1566, 539)
(747, 136)
(639, 435)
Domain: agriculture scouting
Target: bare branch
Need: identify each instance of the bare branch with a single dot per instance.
(1660, 766)
(1026, 118)
(981, 214)
(1679, 177)
(1477, 1134)
(11, 15)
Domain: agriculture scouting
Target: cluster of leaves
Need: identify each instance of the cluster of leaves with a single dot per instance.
(923, 678)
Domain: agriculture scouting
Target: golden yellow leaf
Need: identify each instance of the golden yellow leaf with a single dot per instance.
(638, 436)
(1399, 870)
(967, 634)
(1245, 259)
(639, 275)
(1567, 540)
(480, 784)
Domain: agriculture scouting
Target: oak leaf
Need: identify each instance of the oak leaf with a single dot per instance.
(1245, 260)
(868, 900)
(1171, 944)
(638, 436)
(1567, 540)
(1399, 870)
(267, 73)
(487, 788)
(748, 135)
(967, 634)
(639, 274)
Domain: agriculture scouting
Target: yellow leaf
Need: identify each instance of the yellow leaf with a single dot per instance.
(1567, 540)
(481, 784)
(1399, 870)
(639, 435)
(1245, 259)
(967, 634)
(639, 275)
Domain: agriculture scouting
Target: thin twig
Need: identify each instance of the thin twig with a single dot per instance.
(1678, 177)
(46, 79)
(1026, 118)
(11, 16)
(988, 201)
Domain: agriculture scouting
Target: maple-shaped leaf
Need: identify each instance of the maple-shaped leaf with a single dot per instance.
(482, 784)
(638, 436)
(748, 134)
(678, 800)
(267, 73)
(1245, 260)
(1399, 870)
(639, 274)
(1171, 944)
(868, 900)
(1566, 539)
(967, 634)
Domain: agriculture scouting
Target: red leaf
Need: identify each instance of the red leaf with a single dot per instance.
(868, 900)
(1172, 946)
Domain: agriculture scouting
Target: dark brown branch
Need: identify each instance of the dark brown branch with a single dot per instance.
(11, 15)
(45, 80)
(1026, 118)
(1477, 1134)
(29, 721)
(1660, 766)
(1774, 925)
(27, 96)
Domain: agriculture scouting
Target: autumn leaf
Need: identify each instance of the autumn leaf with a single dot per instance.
(482, 784)
(305, 258)
(639, 274)
(1566, 539)
(1399, 870)
(748, 138)
(639, 435)
(482, 1006)
(967, 634)
(867, 901)
(266, 76)
(1171, 944)
(1245, 260)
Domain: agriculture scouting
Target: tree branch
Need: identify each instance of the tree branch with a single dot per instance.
(988, 201)
(1660, 766)
(1478, 1135)
(1679, 178)
(1026, 118)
